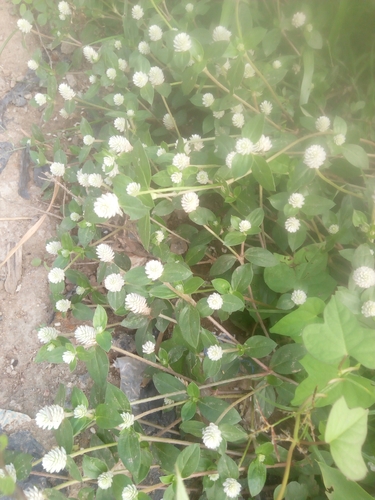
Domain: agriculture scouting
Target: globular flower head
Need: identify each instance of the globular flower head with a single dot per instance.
(117, 44)
(159, 236)
(190, 202)
(95, 180)
(292, 224)
(218, 114)
(182, 42)
(68, 357)
(229, 159)
(298, 297)
(85, 335)
(118, 99)
(114, 282)
(105, 253)
(56, 275)
(298, 19)
(202, 177)
(80, 411)
(137, 12)
(231, 487)
(122, 64)
(196, 142)
(90, 54)
(88, 140)
(213, 477)
(296, 200)
(168, 121)
(154, 269)
(129, 492)
(322, 124)
(276, 64)
(248, 71)
(83, 178)
(50, 417)
(40, 99)
(221, 34)
(119, 144)
(128, 419)
(136, 304)
(47, 333)
(176, 177)
(189, 7)
(9, 470)
(181, 161)
(244, 146)
(140, 79)
(215, 301)
(32, 64)
(33, 493)
(133, 189)
(144, 49)
(148, 347)
(156, 76)
(314, 156)
(266, 107)
(364, 277)
(66, 92)
(212, 437)
(215, 352)
(339, 139)
(107, 206)
(55, 460)
(105, 480)
(63, 305)
(57, 169)
(53, 247)
(368, 309)
(155, 33)
(24, 26)
(263, 145)
(238, 120)
(64, 8)
(207, 99)
(333, 229)
(244, 226)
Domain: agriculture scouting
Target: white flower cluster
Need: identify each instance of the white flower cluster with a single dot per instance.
(212, 437)
(40, 99)
(55, 460)
(105, 480)
(66, 92)
(238, 120)
(64, 9)
(182, 42)
(128, 419)
(207, 99)
(176, 177)
(214, 352)
(10, 471)
(68, 357)
(168, 121)
(322, 124)
(129, 492)
(364, 277)
(148, 347)
(33, 493)
(181, 161)
(202, 177)
(85, 335)
(56, 275)
(137, 12)
(144, 48)
(221, 33)
(118, 99)
(133, 189)
(333, 229)
(114, 282)
(63, 305)
(107, 206)
(156, 76)
(155, 33)
(244, 226)
(53, 247)
(50, 417)
(140, 79)
(266, 107)
(80, 411)
(292, 224)
(339, 139)
(190, 202)
(90, 54)
(119, 144)
(137, 304)
(32, 64)
(368, 309)
(249, 72)
(299, 297)
(111, 73)
(314, 156)
(298, 19)
(232, 488)
(297, 200)
(276, 64)
(154, 269)
(196, 142)
(47, 333)
(215, 301)
(24, 26)
(57, 169)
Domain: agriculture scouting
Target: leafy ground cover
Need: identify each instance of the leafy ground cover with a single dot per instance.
(243, 131)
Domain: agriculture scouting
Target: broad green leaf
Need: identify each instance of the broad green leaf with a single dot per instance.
(130, 451)
(232, 303)
(234, 238)
(166, 384)
(188, 319)
(253, 128)
(293, 323)
(241, 165)
(181, 492)
(355, 155)
(258, 346)
(100, 318)
(142, 165)
(285, 360)
(188, 460)
(280, 278)
(346, 432)
(339, 487)
(271, 41)
(222, 264)
(175, 272)
(98, 366)
(166, 454)
(64, 435)
(233, 433)
(107, 417)
(314, 39)
(227, 467)
(256, 477)
(242, 277)
(131, 205)
(263, 174)
(144, 232)
(261, 257)
(116, 398)
(212, 408)
(308, 71)
(315, 205)
(202, 216)
(339, 336)
(93, 467)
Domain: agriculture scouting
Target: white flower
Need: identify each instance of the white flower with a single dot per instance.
(80, 290)
(95, 180)
(107, 206)
(130, 113)
(154, 269)
(292, 225)
(214, 352)
(140, 79)
(299, 297)
(129, 492)
(314, 157)
(74, 216)
(64, 8)
(117, 44)
(10, 471)
(80, 411)
(50, 417)
(276, 64)
(333, 229)
(88, 140)
(182, 42)
(137, 12)
(63, 305)
(215, 301)
(119, 144)
(368, 309)
(40, 99)
(176, 177)
(244, 146)
(229, 159)
(57, 169)
(47, 333)
(85, 335)
(266, 107)
(189, 7)
(159, 236)
(339, 139)
(32, 64)
(55, 460)
(364, 277)
(202, 177)
(298, 19)
(248, 71)
(66, 92)
(156, 76)
(90, 54)
(33, 493)
(114, 282)
(207, 99)
(237, 109)
(144, 48)
(168, 401)
(213, 477)
(160, 152)
(148, 347)
(322, 123)
(263, 145)
(105, 480)
(68, 357)
(168, 121)
(93, 79)
(221, 34)
(297, 200)
(218, 114)
(231, 487)
(56, 275)
(120, 124)
(24, 26)
(133, 189)
(196, 142)
(109, 161)
(82, 178)
(63, 113)
(190, 202)
(244, 226)
(118, 99)
(128, 419)
(155, 33)
(296, 68)
(136, 304)
(212, 436)
(238, 120)
(53, 247)
(122, 64)
(181, 161)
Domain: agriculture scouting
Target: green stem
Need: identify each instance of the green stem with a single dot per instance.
(238, 257)
(292, 144)
(161, 15)
(294, 443)
(331, 183)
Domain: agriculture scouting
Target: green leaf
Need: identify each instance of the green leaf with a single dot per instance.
(64, 435)
(339, 487)
(355, 155)
(241, 165)
(212, 408)
(242, 277)
(271, 41)
(100, 318)
(227, 467)
(254, 128)
(263, 174)
(93, 467)
(346, 432)
(280, 278)
(130, 451)
(315, 205)
(258, 346)
(116, 398)
(166, 454)
(293, 323)
(166, 384)
(188, 460)
(222, 264)
(233, 433)
(131, 205)
(308, 72)
(234, 238)
(175, 272)
(73, 469)
(98, 365)
(142, 171)
(188, 319)
(202, 216)
(107, 417)
(339, 336)
(232, 303)
(188, 410)
(256, 477)
(285, 359)
(261, 257)
(144, 231)
(181, 492)
(314, 39)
